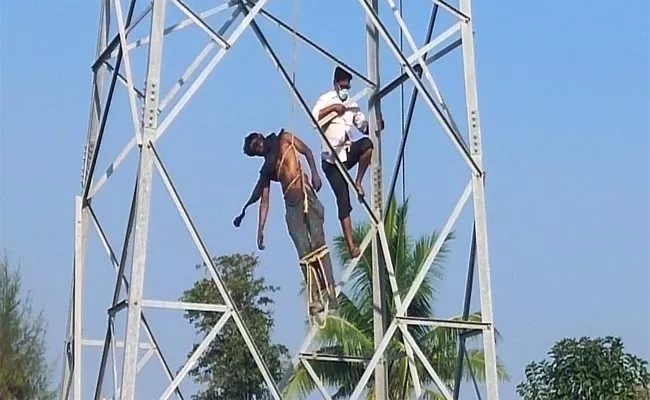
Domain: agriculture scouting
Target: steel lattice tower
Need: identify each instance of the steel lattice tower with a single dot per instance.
(152, 112)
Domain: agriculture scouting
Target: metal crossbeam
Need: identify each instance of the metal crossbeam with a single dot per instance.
(314, 329)
(133, 363)
(113, 57)
(332, 357)
(373, 214)
(172, 92)
(424, 269)
(288, 28)
(225, 294)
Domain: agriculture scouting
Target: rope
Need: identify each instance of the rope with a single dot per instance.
(401, 89)
(308, 261)
(294, 61)
(301, 175)
(320, 294)
(316, 255)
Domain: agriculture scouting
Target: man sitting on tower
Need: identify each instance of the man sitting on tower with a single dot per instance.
(338, 132)
(304, 212)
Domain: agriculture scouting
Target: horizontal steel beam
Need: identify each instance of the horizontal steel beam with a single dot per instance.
(444, 323)
(470, 334)
(178, 305)
(332, 357)
(342, 358)
(100, 343)
(118, 307)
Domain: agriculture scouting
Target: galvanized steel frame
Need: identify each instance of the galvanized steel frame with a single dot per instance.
(147, 130)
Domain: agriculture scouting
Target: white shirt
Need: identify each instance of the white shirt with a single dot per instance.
(339, 129)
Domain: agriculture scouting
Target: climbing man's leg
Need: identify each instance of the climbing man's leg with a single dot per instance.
(360, 153)
(342, 195)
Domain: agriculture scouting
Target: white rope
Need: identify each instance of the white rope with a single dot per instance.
(294, 62)
(401, 90)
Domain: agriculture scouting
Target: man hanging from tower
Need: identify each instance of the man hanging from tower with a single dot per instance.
(337, 131)
(304, 212)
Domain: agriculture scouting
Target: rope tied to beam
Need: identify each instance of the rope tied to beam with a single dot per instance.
(312, 273)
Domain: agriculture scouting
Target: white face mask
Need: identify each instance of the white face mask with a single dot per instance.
(343, 94)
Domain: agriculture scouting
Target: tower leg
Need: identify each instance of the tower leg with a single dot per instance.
(144, 184)
(377, 192)
(80, 224)
(478, 191)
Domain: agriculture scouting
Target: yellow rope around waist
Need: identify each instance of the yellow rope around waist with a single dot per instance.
(301, 175)
(316, 255)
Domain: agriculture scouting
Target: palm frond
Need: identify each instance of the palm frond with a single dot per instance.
(430, 394)
(300, 385)
(348, 329)
(477, 363)
(350, 332)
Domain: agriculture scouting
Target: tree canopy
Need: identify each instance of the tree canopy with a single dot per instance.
(24, 372)
(227, 370)
(587, 369)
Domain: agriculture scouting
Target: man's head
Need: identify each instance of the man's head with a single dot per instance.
(254, 145)
(342, 79)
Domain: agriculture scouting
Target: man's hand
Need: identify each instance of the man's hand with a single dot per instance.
(339, 108)
(260, 240)
(380, 123)
(237, 220)
(316, 182)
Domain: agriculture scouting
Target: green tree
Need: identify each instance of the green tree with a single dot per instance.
(227, 369)
(24, 372)
(587, 369)
(350, 331)
(643, 393)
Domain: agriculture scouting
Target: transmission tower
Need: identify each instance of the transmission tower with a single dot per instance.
(152, 110)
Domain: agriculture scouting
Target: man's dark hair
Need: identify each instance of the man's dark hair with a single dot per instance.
(248, 141)
(341, 74)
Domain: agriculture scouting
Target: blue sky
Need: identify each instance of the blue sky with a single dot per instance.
(564, 95)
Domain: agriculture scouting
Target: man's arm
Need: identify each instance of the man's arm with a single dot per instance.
(263, 213)
(321, 110)
(258, 191)
(305, 151)
(337, 108)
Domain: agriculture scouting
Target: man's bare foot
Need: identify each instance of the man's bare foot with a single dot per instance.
(359, 187)
(355, 251)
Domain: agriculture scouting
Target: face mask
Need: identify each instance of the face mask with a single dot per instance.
(343, 94)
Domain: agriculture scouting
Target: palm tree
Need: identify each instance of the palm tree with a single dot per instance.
(350, 331)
